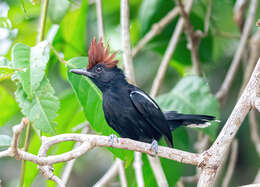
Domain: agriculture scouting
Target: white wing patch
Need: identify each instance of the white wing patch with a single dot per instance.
(146, 97)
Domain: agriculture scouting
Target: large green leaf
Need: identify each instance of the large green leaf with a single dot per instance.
(90, 99)
(33, 62)
(71, 36)
(5, 141)
(42, 108)
(192, 95)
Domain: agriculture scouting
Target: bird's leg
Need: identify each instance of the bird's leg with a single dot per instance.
(154, 147)
(113, 137)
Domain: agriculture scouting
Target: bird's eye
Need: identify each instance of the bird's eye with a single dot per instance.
(99, 69)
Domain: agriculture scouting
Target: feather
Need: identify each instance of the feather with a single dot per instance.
(98, 54)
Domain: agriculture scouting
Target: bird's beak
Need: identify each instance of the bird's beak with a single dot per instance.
(82, 72)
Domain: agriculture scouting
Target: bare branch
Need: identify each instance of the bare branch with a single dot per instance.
(158, 171)
(68, 168)
(138, 163)
(227, 134)
(109, 175)
(100, 18)
(254, 55)
(232, 163)
(125, 34)
(122, 175)
(156, 29)
(239, 13)
(169, 51)
(236, 60)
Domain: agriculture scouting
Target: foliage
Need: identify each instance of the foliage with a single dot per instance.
(35, 83)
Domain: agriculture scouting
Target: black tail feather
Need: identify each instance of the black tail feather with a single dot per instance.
(177, 119)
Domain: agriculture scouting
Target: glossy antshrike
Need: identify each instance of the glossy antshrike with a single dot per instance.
(128, 109)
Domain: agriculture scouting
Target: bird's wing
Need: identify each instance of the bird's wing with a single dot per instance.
(151, 113)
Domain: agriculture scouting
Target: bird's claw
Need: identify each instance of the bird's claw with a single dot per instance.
(154, 147)
(113, 137)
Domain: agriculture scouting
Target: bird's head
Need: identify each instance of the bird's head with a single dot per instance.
(101, 69)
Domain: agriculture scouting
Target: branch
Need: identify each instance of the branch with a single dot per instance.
(100, 18)
(138, 163)
(236, 60)
(122, 175)
(43, 20)
(193, 36)
(169, 51)
(156, 29)
(88, 143)
(232, 163)
(109, 175)
(68, 168)
(227, 134)
(125, 34)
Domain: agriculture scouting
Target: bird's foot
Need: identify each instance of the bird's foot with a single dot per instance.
(112, 138)
(154, 147)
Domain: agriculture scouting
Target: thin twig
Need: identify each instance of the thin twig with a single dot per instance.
(100, 18)
(43, 20)
(57, 55)
(109, 175)
(254, 55)
(158, 171)
(232, 163)
(236, 60)
(26, 146)
(138, 163)
(68, 168)
(169, 51)
(156, 29)
(125, 34)
(122, 175)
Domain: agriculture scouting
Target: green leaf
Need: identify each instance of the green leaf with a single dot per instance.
(33, 62)
(71, 36)
(5, 141)
(8, 106)
(192, 95)
(57, 10)
(42, 108)
(90, 99)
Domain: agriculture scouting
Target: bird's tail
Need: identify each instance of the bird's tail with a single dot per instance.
(193, 120)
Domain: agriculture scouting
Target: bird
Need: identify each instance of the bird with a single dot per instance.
(128, 110)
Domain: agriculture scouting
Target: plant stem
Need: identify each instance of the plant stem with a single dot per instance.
(26, 146)
(28, 131)
(43, 20)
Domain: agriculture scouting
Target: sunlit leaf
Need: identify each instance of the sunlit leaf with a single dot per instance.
(42, 108)
(33, 63)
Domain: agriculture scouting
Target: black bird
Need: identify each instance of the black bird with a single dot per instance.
(129, 110)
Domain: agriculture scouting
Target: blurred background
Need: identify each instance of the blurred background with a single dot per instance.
(71, 26)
